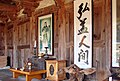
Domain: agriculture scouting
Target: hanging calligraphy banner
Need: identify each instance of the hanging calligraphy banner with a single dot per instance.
(83, 33)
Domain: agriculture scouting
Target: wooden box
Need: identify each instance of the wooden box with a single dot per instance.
(52, 67)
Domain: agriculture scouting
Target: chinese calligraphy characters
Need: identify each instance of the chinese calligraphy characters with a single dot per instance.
(83, 54)
(83, 33)
(82, 21)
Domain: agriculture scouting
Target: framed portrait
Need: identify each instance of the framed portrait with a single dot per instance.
(45, 31)
(83, 33)
(115, 33)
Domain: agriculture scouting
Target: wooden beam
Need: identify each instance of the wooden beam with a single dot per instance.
(32, 0)
(30, 4)
(27, 3)
(3, 16)
(3, 19)
(28, 0)
(9, 8)
(23, 46)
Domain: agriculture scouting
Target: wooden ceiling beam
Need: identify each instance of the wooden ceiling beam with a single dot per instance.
(1, 16)
(26, 5)
(30, 4)
(9, 8)
(26, 0)
(32, 0)
(9, 11)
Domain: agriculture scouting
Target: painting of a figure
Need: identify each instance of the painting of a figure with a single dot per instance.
(45, 33)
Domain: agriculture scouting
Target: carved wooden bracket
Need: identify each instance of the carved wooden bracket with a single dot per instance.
(9, 10)
(28, 7)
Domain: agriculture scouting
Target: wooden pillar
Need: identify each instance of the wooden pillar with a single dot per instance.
(5, 39)
(15, 43)
(62, 25)
(32, 34)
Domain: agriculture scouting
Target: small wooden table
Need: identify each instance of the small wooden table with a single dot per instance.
(28, 73)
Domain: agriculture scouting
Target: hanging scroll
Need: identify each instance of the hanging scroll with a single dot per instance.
(83, 33)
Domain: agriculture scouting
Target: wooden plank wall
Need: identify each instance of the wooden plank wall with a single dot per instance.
(2, 40)
(23, 37)
(9, 42)
(17, 39)
(102, 38)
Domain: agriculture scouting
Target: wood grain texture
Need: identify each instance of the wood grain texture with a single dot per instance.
(18, 41)
(57, 65)
(102, 38)
(3, 61)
